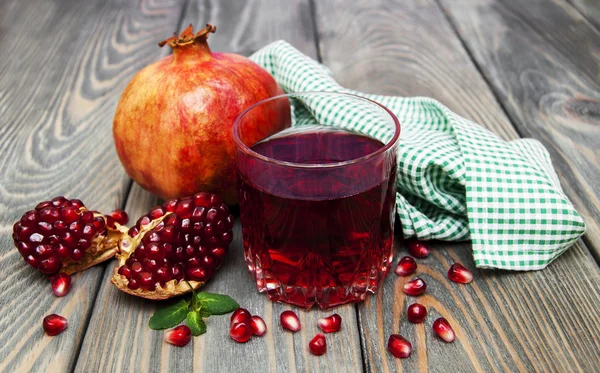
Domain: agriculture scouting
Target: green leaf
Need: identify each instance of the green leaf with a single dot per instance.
(217, 304)
(204, 313)
(169, 316)
(196, 324)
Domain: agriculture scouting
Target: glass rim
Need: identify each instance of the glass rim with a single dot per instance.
(244, 148)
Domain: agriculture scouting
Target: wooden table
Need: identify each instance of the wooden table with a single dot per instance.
(521, 68)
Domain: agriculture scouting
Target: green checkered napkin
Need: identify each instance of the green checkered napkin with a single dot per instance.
(456, 180)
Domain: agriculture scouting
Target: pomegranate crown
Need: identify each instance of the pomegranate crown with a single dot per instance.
(188, 37)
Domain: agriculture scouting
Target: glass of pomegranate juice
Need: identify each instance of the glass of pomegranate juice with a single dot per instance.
(317, 201)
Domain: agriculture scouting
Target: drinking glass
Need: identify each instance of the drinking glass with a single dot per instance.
(316, 183)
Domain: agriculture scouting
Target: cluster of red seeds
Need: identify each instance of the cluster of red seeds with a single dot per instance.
(56, 232)
(190, 243)
(243, 325)
(399, 346)
(318, 345)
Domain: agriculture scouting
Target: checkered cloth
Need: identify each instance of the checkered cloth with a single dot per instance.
(456, 180)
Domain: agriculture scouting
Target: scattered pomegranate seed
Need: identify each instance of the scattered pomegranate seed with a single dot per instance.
(415, 286)
(460, 274)
(61, 284)
(258, 326)
(406, 266)
(318, 345)
(54, 324)
(240, 332)
(442, 328)
(240, 315)
(120, 216)
(179, 335)
(331, 323)
(418, 249)
(289, 320)
(399, 346)
(416, 313)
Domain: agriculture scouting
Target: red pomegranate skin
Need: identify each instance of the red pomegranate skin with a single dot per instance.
(173, 124)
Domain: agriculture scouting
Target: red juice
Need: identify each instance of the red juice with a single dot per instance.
(320, 234)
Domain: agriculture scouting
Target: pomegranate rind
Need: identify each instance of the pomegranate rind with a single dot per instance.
(170, 290)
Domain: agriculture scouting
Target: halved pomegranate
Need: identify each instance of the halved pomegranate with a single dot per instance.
(174, 246)
(62, 235)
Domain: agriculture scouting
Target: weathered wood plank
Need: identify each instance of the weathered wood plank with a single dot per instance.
(541, 59)
(590, 10)
(119, 338)
(64, 66)
(537, 321)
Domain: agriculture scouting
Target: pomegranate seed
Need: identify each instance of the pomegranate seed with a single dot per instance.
(179, 335)
(406, 266)
(318, 345)
(77, 203)
(61, 284)
(460, 274)
(54, 324)
(331, 323)
(399, 346)
(240, 315)
(289, 320)
(415, 286)
(110, 222)
(258, 326)
(70, 214)
(50, 265)
(240, 332)
(418, 249)
(442, 328)
(120, 216)
(87, 216)
(59, 201)
(416, 313)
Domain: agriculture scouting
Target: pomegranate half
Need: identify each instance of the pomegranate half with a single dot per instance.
(63, 236)
(174, 248)
(173, 124)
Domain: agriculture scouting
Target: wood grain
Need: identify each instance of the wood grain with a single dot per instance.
(64, 66)
(397, 50)
(118, 337)
(536, 321)
(541, 59)
(590, 10)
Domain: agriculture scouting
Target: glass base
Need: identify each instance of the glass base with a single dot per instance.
(325, 296)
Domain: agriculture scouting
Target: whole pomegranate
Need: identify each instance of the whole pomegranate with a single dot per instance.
(173, 124)
(174, 247)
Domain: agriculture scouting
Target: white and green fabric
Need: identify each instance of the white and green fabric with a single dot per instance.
(456, 180)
